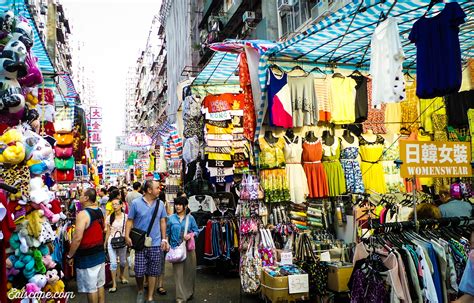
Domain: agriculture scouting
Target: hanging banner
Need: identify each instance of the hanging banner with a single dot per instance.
(435, 159)
(121, 144)
(95, 130)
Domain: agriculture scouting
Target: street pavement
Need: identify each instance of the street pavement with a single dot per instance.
(210, 287)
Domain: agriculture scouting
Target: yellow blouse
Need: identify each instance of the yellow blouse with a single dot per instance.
(271, 155)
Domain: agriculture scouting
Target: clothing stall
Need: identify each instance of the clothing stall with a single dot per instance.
(307, 136)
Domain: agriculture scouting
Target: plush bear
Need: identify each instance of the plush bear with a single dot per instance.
(12, 67)
(12, 149)
(23, 32)
(47, 234)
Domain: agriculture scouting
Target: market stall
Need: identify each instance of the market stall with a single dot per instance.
(338, 125)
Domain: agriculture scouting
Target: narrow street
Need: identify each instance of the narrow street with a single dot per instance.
(210, 287)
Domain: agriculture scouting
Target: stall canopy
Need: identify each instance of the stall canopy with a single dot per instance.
(343, 38)
(221, 70)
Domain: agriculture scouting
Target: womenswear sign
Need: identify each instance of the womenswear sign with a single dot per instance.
(435, 159)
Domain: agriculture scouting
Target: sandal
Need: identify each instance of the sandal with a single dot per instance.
(161, 291)
(112, 289)
(124, 281)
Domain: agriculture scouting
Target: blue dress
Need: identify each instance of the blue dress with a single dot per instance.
(438, 52)
(351, 168)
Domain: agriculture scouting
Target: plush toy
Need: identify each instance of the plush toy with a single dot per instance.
(11, 270)
(17, 176)
(12, 150)
(55, 284)
(39, 265)
(32, 96)
(35, 221)
(6, 26)
(47, 234)
(48, 262)
(39, 280)
(12, 67)
(38, 153)
(38, 192)
(26, 264)
(23, 32)
(34, 76)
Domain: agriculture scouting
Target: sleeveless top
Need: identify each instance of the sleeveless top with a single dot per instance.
(91, 250)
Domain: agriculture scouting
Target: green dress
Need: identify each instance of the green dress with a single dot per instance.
(333, 168)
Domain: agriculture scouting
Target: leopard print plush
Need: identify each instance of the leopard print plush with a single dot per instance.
(19, 177)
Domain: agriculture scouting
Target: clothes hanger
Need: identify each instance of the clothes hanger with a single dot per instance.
(430, 6)
(317, 69)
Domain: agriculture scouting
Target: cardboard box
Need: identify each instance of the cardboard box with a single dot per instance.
(339, 277)
(275, 289)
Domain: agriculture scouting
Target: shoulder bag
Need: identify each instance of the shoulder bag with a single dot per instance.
(118, 242)
(138, 236)
(178, 253)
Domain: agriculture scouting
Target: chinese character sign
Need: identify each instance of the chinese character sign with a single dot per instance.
(435, 159)
(95, 126)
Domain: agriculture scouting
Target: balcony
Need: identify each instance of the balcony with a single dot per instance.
(209, 6)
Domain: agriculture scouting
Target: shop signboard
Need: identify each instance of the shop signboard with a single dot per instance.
(95, 127)
(95, 137)
(121, 144)
(138, 139)
(435, 159)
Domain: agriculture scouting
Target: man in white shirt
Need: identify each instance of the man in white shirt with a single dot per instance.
(133, 194)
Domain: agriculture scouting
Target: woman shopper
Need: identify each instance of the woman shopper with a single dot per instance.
(184, 272)
(115, 227)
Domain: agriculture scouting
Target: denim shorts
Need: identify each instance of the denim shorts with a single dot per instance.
(89, 280)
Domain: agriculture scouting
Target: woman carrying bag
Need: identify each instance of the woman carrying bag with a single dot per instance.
(115, 241)
(182, 228)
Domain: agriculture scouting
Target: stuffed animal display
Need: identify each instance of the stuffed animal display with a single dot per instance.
(26, 157)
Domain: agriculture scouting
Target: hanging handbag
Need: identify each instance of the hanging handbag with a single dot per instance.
(191, 243)
(64, 139)
(64, 164)
(118, 242)
(178, 253)
(267, 248)
(138, 236)
(63, 152)
(317, 271)
(250, 269)
(63, 175)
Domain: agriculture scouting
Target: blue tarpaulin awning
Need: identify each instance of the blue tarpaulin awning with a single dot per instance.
(343, 38)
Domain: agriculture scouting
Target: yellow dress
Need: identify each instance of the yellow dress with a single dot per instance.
(372, 170)
(342, 95)
(393, 113)
(272, 171)
(428, 107)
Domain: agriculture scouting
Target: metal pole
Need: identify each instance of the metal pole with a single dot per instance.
(414, 202)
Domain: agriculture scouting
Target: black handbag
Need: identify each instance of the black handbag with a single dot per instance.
(138, 236)
(119, 242)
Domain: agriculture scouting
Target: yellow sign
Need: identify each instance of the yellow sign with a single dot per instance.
(435, 159)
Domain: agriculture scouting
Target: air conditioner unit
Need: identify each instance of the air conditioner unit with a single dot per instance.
(319, 9)
(249, 16)
(285, 5)
(43, 9)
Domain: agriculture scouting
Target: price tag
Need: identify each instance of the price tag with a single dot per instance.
(286, 258)
(298, 284)
(326, 257)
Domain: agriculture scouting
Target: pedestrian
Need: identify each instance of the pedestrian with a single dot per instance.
(133, 194)
(123, 199)
(103, 199)
(115, 226)
(143, 212)
(87, 248)
(161, 290)
(114, 195)
(184, 272)
(467, 282)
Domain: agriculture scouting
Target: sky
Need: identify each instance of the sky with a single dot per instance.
(112, 32)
